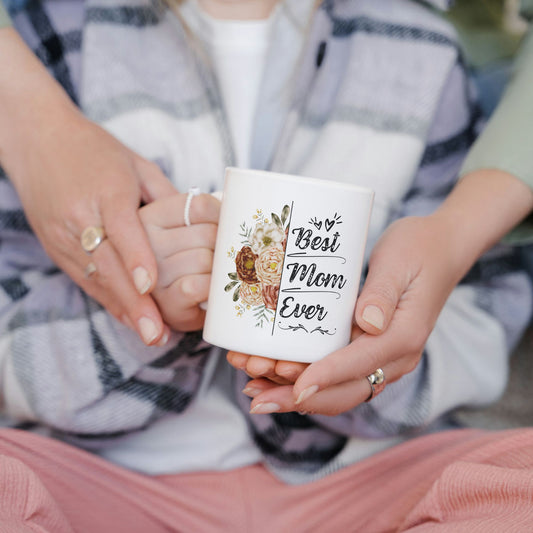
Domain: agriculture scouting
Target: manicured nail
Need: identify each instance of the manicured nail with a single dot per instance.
(265, 408)
(163, 340)
(251, 391)
(148, 330)
(306, 393)
(374, 316)
(142, 280)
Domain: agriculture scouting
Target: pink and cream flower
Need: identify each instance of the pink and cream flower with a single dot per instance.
(266, 235)
(269, 264)
(270, 296)
(251, 294)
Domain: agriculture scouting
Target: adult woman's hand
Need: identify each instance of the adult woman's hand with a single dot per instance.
(71, 174)
(411, 273)
(412, 270)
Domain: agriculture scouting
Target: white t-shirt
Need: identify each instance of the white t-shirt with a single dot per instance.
(212, 434)
(239, 51)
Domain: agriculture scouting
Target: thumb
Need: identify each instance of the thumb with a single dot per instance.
(384, 286)
(154, 184)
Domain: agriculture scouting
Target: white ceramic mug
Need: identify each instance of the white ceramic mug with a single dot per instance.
(287, 265)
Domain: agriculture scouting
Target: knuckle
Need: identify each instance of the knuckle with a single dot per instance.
(209, 234)
(205, 260)
(205, 207)
(376, 358)
(200, 203)
(80, 213)
(149, 165)
(383, 293)
(286, 371)
(184, 286)
(61, 238)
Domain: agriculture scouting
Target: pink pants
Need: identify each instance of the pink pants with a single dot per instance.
(456, 481)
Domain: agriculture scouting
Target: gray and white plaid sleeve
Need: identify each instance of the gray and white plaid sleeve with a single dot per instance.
(64, 361)
(465, 361)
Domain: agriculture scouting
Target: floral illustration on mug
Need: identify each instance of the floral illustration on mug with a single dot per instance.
(258, 265)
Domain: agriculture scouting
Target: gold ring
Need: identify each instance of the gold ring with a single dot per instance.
(377, 383)
(92, 237)
(90, 269)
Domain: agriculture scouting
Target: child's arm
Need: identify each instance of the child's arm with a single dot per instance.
(69, 174)
(184, 256)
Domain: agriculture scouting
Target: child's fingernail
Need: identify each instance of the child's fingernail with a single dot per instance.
(306, 393)
(142, 280)
(251, 391)
(265, 408)
(187, 287)
(148, 330)
(374, 316)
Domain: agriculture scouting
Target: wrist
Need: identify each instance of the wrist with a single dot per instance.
(482, 208)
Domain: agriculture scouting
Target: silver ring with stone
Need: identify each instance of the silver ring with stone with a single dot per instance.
(377, 383)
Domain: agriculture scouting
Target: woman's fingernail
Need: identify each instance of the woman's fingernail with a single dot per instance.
(163, 340)
(251, 391)
(148, 330)
(374, 316)
(265, 408)
(306, 393)
(142, 280)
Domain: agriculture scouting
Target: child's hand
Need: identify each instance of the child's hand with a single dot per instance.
(184, 256)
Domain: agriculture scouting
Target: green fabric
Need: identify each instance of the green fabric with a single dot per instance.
(482, 30)
(506, 141)
(527, 9)
(4, 17)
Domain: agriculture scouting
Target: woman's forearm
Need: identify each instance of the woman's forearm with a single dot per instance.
(32, 103)
(484, 206)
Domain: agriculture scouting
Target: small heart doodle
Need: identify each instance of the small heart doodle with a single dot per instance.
(328, 224)
(316, 223)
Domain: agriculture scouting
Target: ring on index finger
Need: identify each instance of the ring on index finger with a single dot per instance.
(91, 238)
